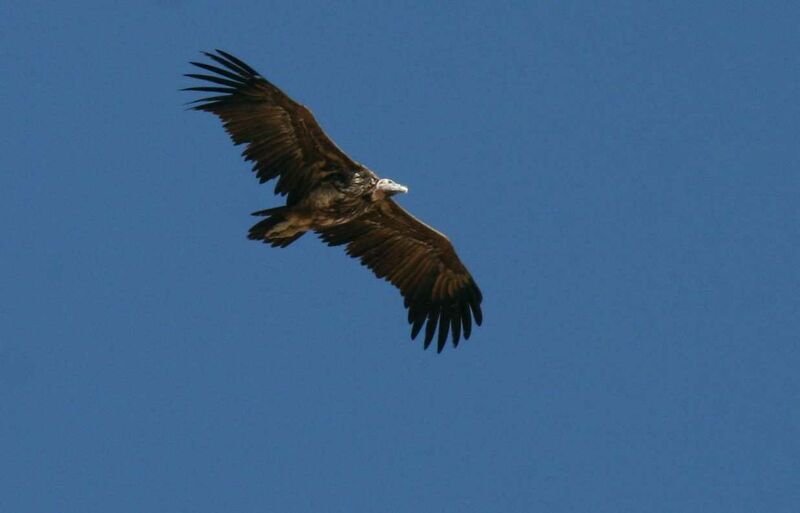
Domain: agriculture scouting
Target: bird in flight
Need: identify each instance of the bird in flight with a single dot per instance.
(334, 196)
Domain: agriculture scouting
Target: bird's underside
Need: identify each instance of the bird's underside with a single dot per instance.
(341, 200)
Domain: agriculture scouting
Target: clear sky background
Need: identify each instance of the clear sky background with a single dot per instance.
(623, 180)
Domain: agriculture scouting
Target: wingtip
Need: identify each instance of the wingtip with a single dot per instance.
(427, 342)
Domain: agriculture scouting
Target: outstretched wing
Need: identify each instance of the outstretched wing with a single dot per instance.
(421, 262)
(283, 139)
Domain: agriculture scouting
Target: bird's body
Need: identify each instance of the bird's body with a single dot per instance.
(340, 199)
(336, 200)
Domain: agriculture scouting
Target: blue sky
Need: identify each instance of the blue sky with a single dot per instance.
(620, 177)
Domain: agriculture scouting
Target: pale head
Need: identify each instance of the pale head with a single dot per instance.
(389, 187)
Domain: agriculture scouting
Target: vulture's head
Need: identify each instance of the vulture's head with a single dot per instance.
(386, 188)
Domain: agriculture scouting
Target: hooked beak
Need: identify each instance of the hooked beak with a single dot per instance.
(393, 188)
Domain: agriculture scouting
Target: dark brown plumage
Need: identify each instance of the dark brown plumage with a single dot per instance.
(283, 139)
(340, 199)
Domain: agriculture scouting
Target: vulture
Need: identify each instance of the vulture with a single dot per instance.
(341, 200)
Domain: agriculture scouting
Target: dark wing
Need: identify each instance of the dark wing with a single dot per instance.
(421, 262)
(283, 139)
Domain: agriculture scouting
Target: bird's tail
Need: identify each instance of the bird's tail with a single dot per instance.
(276, 230)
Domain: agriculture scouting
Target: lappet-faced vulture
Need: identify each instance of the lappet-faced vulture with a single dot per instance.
(343, 201)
